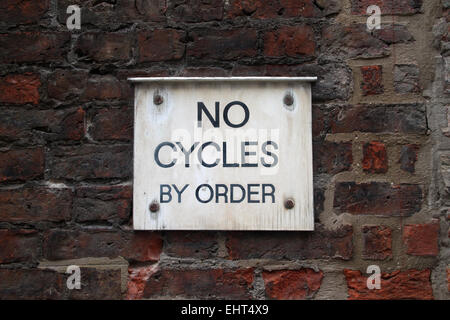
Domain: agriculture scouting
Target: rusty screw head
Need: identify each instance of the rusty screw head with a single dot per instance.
(288, 99)
(154, 207)
(289, 203)
(158, 99)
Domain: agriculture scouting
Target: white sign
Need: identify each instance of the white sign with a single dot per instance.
(223, 154)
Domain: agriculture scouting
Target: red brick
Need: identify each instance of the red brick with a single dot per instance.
(422, 239)
(372, 80)
(377, 198)
(33, 47)
(410, 284)
(272, 9)
(290, 41)
(106, 88)
(103, 203)
(408, 157)
(448, 279)
(39, 126)
(208, 284)
(33, 204)
(112, 124)
(161, 45)
(398, 7)
(320, 244)
(66, 84)
(143, 246)
(196, 11)
(76, 244)
(223, 44)
(137, 278)
(105, 46)
(201, 245)
(331, 157)
(19, 245)
(377, 242)
(13, 12)
(24, 164)
(375, 158)
(20, 88)
(292, 284)
(90, 162)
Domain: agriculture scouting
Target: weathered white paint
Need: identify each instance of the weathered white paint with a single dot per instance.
(292, 177)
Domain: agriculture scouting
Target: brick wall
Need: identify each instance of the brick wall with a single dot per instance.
(381, 135)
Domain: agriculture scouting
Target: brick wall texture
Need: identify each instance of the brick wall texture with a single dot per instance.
(381, 137)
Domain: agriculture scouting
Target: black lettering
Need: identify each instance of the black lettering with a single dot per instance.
(179, 192)
(245, 153)
(221, 194)
(227, 108)
(270, 154)
(201, 107)
(250, 193)
(232, 200)
(156, 155)
(200, 154)
(162, 193)
(211, 193)
(269, 194)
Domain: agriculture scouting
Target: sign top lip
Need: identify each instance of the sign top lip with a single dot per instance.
(224, 79)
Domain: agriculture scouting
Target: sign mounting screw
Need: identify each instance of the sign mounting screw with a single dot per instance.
(289, 203)
(154, 207)
(288, 99)
(158, 99)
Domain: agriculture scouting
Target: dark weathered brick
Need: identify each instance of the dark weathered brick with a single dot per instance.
(222, 44)
(191, 244)
(32, 203)
(161, 45)
(33, 47)
(321, 243)
(13, 12)
(19, 245)
(331, 157)
(400, 118)
(90, 162)
(75, 244)
(408, 157)
(38, 126)
(105, 46)
(23, 164)
(112, 124)
(206, 284)
(66, 84)
(102, 203)
(401, 7)
(378, 198)
(195, 11)
(261, 9)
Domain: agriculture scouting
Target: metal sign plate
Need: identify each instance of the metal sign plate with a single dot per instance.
(223, 154)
